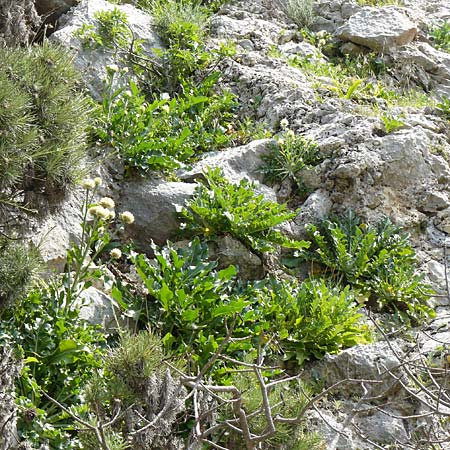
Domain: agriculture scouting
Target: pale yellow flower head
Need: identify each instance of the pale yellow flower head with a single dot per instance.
(88, 183)
(127, 217)
(116, 253)
(284, 123)
(99, 212)
(98, 181)
(107, 202)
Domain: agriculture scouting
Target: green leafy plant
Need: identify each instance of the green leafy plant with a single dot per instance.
(301, 12)
(288, 157)
(166, 132)
(43, 119)
(59, 349)
(391, 124)
(441, 36)
(312, 318)
(181, 23)
(189, 299)
(112, 31)
(377, 260)
(220, 207)
(444, 107)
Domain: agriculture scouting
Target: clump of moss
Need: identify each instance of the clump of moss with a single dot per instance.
(43, 120)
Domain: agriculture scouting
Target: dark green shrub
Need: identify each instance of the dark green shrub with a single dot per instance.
(19, 266)
(43, 119)
(219, 207)
(376, 260)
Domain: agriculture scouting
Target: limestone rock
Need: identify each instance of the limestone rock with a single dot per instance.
(92, 62)
(236, 164)
(378, 29)
(19, 21)
(368, 362)
(230, 251)
(153, 205)
(54, 232)
(100, 309)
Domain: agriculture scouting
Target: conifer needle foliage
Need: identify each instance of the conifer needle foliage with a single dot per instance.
(43, 118)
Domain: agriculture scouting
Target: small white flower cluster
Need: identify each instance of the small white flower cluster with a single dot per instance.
(104, 210)
(288, 133)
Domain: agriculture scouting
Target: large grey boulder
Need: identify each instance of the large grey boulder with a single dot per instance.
(55, 230)
(92, 61)
(153, 204)
(378, 29)
(237, 164)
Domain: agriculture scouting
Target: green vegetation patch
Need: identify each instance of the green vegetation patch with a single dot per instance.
(441, 36)
(219, 207)
(376, 260)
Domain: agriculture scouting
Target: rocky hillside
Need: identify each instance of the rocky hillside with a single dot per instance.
(224, 224)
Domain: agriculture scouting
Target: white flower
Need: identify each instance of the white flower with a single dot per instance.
(127, 217)
(166, 108)
(165, 96)
(107, 202)
(284, 123)
(290, 133)
(116, 253)
(98, 181)
(88, 183)
(99, 211)
(112, 68)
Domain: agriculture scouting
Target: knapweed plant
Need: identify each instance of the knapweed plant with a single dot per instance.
(60, 350)
(164, 133)
(288, 156)
(312, 318)
(377, 260)
(219, 207)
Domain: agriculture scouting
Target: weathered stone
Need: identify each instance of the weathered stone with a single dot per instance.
(434, 201)
(18, 21)
(100, 309)
(378, 29)
(236, 164)
(230, 251)
(153, 205)
(92, 61)
(57, 229)
(316, 208)
(368, 362)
